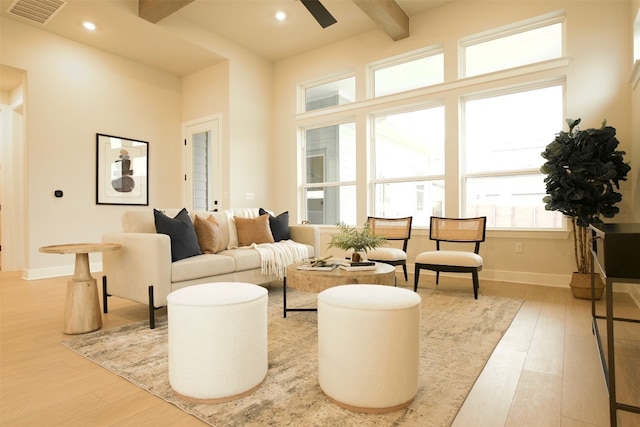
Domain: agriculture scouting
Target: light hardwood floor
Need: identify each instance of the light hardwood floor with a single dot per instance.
(544, 372)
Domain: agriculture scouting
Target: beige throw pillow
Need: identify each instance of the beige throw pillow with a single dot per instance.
(209, 235)
(253, 230)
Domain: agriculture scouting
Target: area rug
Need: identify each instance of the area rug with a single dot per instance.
(458, 336)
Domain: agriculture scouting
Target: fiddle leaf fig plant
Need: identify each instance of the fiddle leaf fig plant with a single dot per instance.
(583, 171)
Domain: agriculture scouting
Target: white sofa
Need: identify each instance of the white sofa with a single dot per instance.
(143, 271)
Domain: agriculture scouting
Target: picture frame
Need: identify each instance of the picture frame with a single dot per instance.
(122, 171)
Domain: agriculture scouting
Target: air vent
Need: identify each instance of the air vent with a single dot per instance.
(40, 11)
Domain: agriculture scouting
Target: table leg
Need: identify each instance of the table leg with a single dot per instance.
(82, 306)
(611, 358)
(284, 296)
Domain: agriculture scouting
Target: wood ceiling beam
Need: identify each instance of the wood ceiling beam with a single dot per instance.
(155, 10)
(387, 15)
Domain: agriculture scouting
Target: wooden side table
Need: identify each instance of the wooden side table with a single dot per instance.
(82, 306)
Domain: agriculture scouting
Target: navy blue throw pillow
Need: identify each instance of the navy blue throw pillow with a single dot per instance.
(184, 241)
(279, 225)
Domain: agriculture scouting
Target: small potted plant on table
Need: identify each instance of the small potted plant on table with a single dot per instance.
(583, 171)
(356, 240)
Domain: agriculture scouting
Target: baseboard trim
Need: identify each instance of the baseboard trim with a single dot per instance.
(529, 278)
(555, 280)
(58, 271)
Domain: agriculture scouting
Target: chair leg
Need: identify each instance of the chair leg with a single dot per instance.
(476, 284)
(404, 268)
(416, 276)
(437, 277)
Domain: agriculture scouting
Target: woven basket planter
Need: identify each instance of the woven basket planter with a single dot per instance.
(581, 286)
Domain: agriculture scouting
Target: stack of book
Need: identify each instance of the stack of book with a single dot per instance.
(314, 266)
(357, 266)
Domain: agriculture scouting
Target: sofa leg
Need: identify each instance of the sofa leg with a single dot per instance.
(105, 295)
(152, 314)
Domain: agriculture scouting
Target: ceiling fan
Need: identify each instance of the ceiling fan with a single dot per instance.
(319, 12)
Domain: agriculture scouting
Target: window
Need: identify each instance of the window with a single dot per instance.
(408, 164)
(201, 168)
(330, 94)
(467, 147)
(406, 75)
(484, 55)
(330, 173)
(504, 135)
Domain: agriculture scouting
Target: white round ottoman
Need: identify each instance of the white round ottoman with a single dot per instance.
(369, 346)
(217, 340)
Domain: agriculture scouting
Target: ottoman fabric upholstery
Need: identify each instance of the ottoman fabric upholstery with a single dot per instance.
(217, 340)
(369, 346)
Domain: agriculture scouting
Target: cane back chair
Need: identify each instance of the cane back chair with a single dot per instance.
(391, 229)
(454, 230)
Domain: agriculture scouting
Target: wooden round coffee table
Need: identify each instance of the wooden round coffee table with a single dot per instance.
(318, 281)
(82, 306)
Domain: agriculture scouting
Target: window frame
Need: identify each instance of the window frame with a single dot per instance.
(407, 179)
(304, 185)
(405, 58)
(554, 18)
(301, 107)
(464, 175)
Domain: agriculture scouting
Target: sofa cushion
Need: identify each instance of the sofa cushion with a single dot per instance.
(253, 230)
(279, 225)
(197, 267)
(209, 235)
(184, 242)
(244, 258)
(138, 221)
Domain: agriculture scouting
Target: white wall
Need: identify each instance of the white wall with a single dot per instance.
(599, 45)
(635, 111)
(206, 94)
(74, 92)
(247, 138)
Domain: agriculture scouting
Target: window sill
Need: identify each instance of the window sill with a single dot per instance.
(513, 234)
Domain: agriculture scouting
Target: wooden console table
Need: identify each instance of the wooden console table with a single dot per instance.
(615, 253)
(82, 306)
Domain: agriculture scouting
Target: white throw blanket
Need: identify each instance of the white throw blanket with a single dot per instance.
(276, 256)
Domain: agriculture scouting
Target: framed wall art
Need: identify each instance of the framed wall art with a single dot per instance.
(122, 171)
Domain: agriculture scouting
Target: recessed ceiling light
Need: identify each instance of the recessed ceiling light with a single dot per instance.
(281, 16)
(89, 25)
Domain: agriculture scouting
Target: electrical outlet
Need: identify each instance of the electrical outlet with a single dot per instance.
(250, 196)
(518, 248)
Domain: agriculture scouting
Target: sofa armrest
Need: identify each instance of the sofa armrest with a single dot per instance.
(143, 260)
(307, 234)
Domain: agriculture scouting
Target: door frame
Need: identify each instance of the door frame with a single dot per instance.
(13, 182)
(213, 124)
